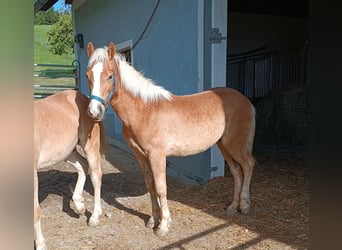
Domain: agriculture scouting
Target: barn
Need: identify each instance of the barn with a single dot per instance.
(268, 47)
(191, 46)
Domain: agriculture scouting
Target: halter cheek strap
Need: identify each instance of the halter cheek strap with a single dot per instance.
(101, 100)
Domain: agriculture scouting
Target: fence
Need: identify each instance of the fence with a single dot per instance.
(255, 74)
(52, 78)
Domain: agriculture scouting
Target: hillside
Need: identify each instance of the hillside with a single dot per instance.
(63, 77)
(41, 48)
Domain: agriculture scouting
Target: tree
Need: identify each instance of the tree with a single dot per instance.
(61, 36)
(46, 17)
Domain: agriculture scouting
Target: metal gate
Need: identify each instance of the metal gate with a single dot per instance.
(52, 78)
(255, 74)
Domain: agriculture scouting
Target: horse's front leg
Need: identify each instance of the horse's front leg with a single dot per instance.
(158, 167)
(94, 161)
(153, 221)
(144, 164)
(81, 166)
(91, 144)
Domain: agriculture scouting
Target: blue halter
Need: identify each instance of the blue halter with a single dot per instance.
(101, 100)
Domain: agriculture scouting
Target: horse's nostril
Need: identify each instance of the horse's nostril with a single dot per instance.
(89, 113)
(92, 114)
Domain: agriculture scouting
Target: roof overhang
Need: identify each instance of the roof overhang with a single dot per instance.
(44, 5)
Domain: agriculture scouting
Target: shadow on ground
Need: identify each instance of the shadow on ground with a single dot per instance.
(279, 194)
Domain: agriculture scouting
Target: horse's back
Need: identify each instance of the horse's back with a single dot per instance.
(233, 99)
(193, 123)
(56, 124)
(237, 108)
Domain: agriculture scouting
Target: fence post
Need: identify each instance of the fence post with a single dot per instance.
(75, 71)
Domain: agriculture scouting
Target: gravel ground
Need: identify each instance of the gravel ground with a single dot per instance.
(279, 218)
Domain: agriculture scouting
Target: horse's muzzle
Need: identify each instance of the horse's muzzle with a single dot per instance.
(96, 110)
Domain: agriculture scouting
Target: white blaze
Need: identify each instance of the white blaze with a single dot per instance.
(96, 109)
(97, 70)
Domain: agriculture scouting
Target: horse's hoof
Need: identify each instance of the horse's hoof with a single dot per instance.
(150, 223)
(160, 232)
(93, 221)
(41, 246)
(232, 208)
(79, 207)
(80, 210)
(231, 211)
(245, 210)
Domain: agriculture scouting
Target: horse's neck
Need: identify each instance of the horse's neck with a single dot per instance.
(123, 102)
(127, 108)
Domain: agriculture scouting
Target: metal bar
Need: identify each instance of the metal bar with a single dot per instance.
(36, 86)
(58, 76)
(54, 65)
(54, 72)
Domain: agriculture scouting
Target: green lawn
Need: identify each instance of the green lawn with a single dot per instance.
(49, 75)
(41, 48)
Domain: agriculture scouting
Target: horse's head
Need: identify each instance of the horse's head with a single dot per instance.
(101, 73)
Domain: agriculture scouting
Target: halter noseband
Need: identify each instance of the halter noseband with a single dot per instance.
(101, 100)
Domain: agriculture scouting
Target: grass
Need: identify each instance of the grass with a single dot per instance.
(42, 54)
(49, 75)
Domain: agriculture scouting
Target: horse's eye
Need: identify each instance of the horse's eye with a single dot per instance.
(110, 77)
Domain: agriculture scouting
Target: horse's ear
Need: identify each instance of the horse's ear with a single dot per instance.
(111, 51)
(90, 49)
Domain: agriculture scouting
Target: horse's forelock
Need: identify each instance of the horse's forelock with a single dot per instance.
(99, 55)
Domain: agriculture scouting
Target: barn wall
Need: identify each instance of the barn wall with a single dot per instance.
(167, 53)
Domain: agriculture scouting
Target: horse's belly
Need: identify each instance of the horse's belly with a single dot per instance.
(194, 142)
(55, 151)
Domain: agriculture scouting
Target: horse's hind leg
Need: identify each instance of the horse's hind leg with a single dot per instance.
(237, 175)
(244, 161)
(81, 165)
(39, 238)
(247, 164)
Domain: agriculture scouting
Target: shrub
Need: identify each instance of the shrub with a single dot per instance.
(61, 36)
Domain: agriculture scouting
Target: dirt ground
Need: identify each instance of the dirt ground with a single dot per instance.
(279, 218)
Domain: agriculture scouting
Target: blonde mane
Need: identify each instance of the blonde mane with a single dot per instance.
(136, 83)
(132, 80)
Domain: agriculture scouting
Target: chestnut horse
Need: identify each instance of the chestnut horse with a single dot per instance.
(60, 123)
(157, 124)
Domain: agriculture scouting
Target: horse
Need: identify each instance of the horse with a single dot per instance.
(61, 123)
(157, 124)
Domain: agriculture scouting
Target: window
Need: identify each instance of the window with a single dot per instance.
(125, 49)
(127, 53)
